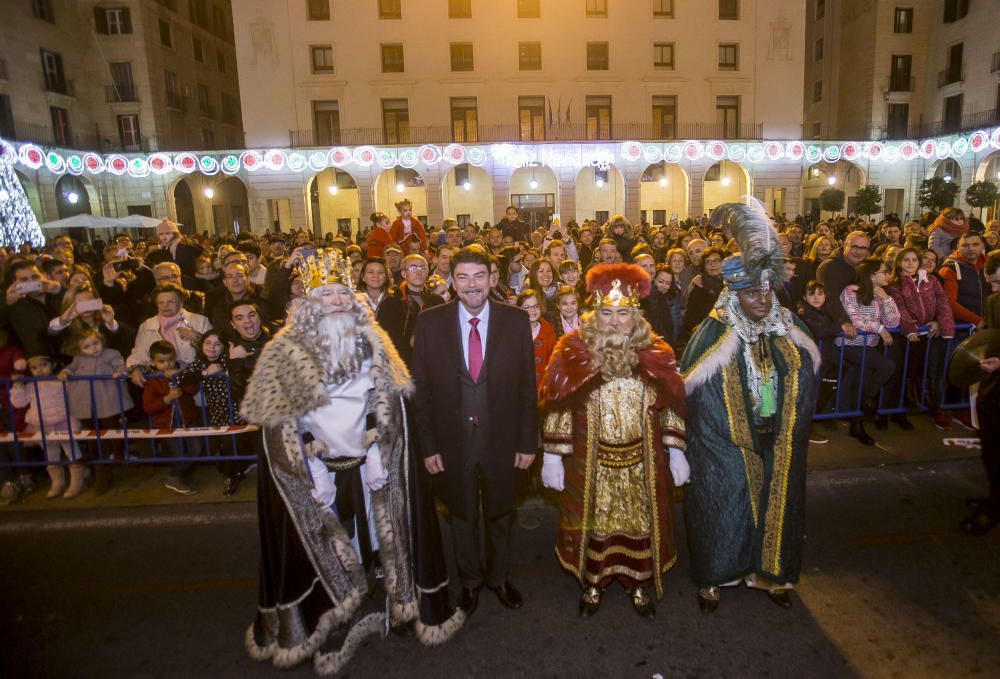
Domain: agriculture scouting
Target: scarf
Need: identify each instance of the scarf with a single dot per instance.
(949, 227)
(570, 324)
(168, 326)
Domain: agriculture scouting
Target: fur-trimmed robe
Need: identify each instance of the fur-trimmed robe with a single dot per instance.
(312, 582)
(570, 426)
(744, 511)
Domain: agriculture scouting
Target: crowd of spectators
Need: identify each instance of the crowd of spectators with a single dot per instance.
(175, 323)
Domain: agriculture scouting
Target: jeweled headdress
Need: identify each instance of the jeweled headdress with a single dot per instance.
(325, 267)
(617, 285)
(761, 258)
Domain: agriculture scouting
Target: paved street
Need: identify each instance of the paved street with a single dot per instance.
(890, 589)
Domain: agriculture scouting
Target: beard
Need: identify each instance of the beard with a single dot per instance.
(339, 332)
(613, 352)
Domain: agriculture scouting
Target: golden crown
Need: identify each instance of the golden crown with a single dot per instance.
(325, 267)
(616, 296)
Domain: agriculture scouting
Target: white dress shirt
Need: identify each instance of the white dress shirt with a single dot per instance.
(466, 327)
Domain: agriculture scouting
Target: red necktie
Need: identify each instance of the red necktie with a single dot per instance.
(475, 350)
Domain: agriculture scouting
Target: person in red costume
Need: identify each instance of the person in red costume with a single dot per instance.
(406, 225)
(379, 236)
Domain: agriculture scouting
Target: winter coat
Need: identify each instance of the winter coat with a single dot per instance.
(920, 301)
(870, 319)
(106, 392)
(966, 288)
(215, 389)
(47, 408)
(835, 273)
(9, 355)
(149, 332)
(163, 415)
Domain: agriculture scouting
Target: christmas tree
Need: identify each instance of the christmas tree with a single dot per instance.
(17, 220)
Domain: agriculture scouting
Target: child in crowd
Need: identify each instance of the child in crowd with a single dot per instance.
(170, 406)
(824, 329)
(91, 357)
(567, 311)
(46, 404)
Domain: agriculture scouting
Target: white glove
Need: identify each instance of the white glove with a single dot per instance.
(679, 467)
(376, 475)
(324, 490)
(553, 474)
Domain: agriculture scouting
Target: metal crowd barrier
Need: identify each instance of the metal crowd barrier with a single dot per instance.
(139, 445)
(896, 402)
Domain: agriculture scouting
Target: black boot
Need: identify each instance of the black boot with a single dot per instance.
(903, 422)
(858, 432)
(882, 422)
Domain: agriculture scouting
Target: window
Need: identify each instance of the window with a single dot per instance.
(173, 91)
(459, 9)
(727, 116)
(461, 174)
(597, 8)
(464, 119)
(663, 8)
(597, 56)
(663, 56)
(326, 123)
(208, 136)
(62, 135)
(461, 56)
(390, 9)
(818, 50)
(954, 71)
(42, 9)
(318, 10)
(817, 91)
(729, 10)
(123, 87)
(952, 118)
(198, 50)
(52, 67)
(899, 120)
(166, 37)
(598, 113)
(113, 20)
(396, 121)
(6, 118)
(601, 216)
(903, 22)
(204, 103)
(955, 10)
(665, 117)
(729, 56)
(531, 116)
(321, 58)
(392, 58)
(529, 56)
(221, 60)
(529, 9)
(899, 75)
(128, 132)
(816, 130)
(820, 9)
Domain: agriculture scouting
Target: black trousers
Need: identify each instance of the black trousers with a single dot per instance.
(988, 410)
(878, 369)
(492, 568)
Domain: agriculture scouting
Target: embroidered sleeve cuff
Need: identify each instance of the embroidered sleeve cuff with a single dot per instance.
(674, 442)
(557, 448)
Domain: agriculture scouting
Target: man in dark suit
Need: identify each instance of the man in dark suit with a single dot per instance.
(473, 366)
(174, 248)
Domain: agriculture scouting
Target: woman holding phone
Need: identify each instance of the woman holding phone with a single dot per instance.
(84, 310)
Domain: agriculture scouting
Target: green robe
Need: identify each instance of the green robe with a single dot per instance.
(744, 511)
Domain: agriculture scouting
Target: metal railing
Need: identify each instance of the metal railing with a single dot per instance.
(123, 444)
(58, 85)
(117, 93)
(951, 75)
(902, 84)
(968, 122)
(43, 134)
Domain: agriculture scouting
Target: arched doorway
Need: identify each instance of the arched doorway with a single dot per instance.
(395, 184)
(989, 171)
(843, 175)
(73, 197)
(467, 194)
(32, 193)
(334, 203)
(534, 191)
(216, 204)
(725, 182)
(599, 193)
(663, 193)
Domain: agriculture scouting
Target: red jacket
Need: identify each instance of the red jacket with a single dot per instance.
(922, 301)
(416, 228)
(9, 354)
(377, 240)
(544, 343)
(162, 414)
(965, 287)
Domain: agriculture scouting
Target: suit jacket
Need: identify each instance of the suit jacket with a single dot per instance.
(511, 420)
(184, 257)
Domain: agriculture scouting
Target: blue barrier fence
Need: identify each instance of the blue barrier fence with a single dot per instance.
(133, 439)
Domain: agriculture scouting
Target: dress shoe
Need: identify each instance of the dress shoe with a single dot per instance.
(903, 422)
(469, 599)
(590, 602)
(708, 599)
(643, 603)
(508, 595)
(780, 597)
(858, 431)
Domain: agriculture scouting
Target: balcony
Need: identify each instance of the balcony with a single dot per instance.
(902, 84)
(995, 65)
(952, 74)
(967, 123)
(97, 141)
(120, 94)
(176, 101)
(489, 134)
(58, 85)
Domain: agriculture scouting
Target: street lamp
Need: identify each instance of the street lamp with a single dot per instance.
(210, 193)
(73, 197)
(332, 189)
(726, 181)
(400, 188)
(947, 177)
(663, 181)
(533, 184)
(467, 186)
(600, 183)
(831, 181)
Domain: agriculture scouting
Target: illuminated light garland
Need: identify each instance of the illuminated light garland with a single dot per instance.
(429, 154)
(296, 162)
(209, 166)
(365, 155)
(773, 150)
(117, 164)
(755, 153)
(408, 158)
(454, 154)
(386, 158)
(716, 150)
(230, 165)
(31, 156)
(275, 159)
(736, 154)
(795, 150)
(186, 162)
(161, 164)
(318, 161)
(251, 160)
(631, 151)
(477, 156)
(74, 165)
(339, 156)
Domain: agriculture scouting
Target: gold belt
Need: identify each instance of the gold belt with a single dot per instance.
(619, 455)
